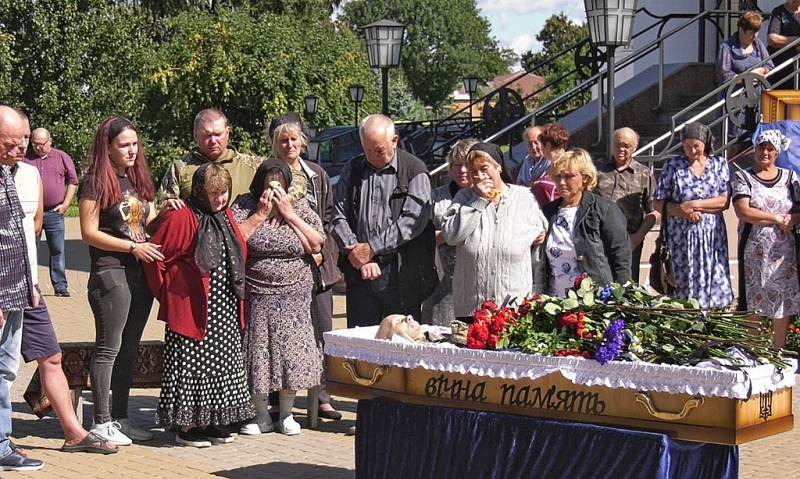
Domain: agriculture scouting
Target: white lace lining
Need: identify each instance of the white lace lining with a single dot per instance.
(358, 343)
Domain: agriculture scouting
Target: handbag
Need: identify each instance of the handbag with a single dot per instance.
(662, 274)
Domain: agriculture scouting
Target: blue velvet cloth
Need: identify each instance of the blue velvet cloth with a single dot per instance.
(397, 440)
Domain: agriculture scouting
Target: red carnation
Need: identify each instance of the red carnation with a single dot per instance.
(524, 308)
(493, 339)
(473, 343)
(481, 316)
(497, 324)
(480, 331)
(567, 319)
(490, 305)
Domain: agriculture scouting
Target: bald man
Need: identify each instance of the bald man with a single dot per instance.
(631, 185)
(17, 291)
(59, 183)
(376, 220)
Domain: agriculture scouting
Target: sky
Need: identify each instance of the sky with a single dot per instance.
(515, 23)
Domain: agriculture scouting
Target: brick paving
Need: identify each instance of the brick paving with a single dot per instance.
(325, 452)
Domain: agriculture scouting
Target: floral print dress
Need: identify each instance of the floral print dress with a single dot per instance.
(770, 266)
(280, 351)
(699, 250)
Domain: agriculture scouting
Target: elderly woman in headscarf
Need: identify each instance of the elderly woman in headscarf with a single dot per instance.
(280, 351)
(493, 226)
(763, 197)
(695, 187)
(200, 288)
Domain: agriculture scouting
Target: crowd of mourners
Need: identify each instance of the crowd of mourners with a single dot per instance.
(244, 284)
(242, 251)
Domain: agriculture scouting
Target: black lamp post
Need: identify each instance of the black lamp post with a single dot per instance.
(356, 95)
(384, 42)
(311, 105)
(470, 86)
(610, 25)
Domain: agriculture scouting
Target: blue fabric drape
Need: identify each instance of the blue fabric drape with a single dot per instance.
(396, 440)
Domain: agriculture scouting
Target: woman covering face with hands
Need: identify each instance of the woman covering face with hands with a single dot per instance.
(493, 226)
(280, 352)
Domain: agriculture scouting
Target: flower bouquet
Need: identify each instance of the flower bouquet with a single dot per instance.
(623, 322)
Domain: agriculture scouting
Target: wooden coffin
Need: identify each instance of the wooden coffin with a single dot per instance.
(686, 403)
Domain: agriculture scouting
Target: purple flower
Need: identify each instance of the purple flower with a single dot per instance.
(605, 294)
(612, 343)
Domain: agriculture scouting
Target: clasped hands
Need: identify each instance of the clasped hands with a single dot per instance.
(784, 222)
(689, 212)
(360, 256)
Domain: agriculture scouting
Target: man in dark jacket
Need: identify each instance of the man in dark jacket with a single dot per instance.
(380, 204)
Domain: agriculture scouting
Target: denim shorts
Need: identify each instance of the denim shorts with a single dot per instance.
(39, 339)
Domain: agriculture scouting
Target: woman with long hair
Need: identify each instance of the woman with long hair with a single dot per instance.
(115, 200)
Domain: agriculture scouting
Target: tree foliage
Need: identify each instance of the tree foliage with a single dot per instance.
(557, 35)
(253, 68)
(439, 49)
(73, 64)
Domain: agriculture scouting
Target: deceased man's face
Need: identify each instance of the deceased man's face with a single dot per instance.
(400, 325)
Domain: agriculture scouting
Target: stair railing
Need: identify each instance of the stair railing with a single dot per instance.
(647, 152)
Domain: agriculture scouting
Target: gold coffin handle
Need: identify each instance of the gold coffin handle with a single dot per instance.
(350, 366)
(644, 398)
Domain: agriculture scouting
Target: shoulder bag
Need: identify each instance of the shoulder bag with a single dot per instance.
(662, 275)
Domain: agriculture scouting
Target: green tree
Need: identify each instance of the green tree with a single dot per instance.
(252, 67)
(72, 64)
(439, 49)
(557, 35)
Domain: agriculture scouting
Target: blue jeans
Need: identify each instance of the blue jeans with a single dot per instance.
(121, 303)
(10, 341)
(53, 226)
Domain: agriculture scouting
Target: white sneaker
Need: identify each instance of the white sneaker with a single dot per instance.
(110, 431)
(288, 426)
(257, 426)
(130, 429)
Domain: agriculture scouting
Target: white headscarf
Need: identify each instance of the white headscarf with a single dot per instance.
(774, 137)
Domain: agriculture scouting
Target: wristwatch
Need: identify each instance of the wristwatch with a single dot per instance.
(133, 246)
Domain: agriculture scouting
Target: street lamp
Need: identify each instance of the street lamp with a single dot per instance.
(384, 42)
(356, 95)
(311, 104)
(470, 86)
(610, 25)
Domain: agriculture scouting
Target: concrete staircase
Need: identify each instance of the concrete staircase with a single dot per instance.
(637, 106)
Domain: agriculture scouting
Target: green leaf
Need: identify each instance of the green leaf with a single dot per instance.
(552, 308)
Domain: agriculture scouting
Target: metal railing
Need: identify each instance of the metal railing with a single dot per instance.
(647, 153)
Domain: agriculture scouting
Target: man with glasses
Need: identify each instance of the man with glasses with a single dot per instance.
(59, 183)
(631, 185)
(17, 291)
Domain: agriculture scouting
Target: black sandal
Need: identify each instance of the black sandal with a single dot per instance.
(91, 443)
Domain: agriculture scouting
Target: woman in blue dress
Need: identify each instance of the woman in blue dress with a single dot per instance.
(696, 188)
